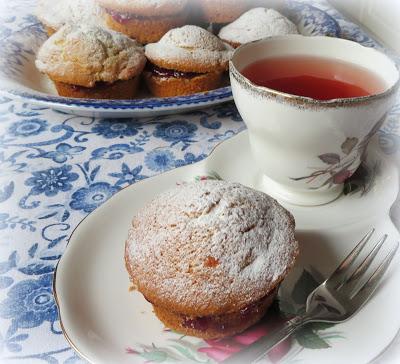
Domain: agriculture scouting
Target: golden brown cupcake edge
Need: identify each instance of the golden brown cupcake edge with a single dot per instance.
(218, 326)
(146, 30)
(222, 11)
(171, 86)
(118, 90)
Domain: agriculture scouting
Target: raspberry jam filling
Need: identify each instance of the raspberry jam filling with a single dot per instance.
(163, 72)
(222, 323)
(99, 85)
(123, 18)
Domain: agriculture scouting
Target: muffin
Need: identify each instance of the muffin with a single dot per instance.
(54, 14)
(221, 11)
(256, 24)
(274, 4)
(144, 20)
(185, 61)
(91, 62)
(210, 255)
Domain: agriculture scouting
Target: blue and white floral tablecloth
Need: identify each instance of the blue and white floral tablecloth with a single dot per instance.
(56, 168)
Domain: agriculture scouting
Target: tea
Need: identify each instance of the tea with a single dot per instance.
(315, 77)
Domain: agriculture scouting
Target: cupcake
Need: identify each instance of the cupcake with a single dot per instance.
(256, 24)
(91, 62)
(185, 61)
(221, 11)
(210, 255)
(54, 14)
(144, 20)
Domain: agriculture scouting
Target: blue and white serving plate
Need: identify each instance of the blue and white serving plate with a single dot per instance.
(21, 35)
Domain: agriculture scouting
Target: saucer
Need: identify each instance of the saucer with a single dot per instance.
(105, 322)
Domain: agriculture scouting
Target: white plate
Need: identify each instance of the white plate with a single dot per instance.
(106, 323)
(21, 35)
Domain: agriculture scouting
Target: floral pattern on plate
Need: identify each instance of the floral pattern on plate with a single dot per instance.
(312, 336)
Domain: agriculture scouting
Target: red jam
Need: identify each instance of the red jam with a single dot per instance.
(122, 18)
(163, 72)
(221, 323)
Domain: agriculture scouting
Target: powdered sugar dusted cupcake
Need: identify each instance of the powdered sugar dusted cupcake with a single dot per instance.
(144, 20)
(92, 62)
(210, 256)
(186, 60)
(257, 24)
(54, 14)
(221, 11)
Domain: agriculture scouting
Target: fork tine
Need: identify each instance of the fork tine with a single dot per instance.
(369, 287)
(338, 276)
(350, 284)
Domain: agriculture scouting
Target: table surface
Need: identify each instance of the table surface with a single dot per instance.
(56, 168)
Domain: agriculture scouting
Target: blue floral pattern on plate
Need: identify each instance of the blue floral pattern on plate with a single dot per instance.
(311, 20)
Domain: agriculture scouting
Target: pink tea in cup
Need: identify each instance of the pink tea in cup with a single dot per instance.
(315, 77)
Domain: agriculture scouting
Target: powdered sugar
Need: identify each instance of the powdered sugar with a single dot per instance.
(257, 24)
(55, 14)
(191, 36)
(190, 44)
(149, 3)
(85, 54)
(145, 7)
(173, 239)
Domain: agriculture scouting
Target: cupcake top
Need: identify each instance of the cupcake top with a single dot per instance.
(190, 49)
(257, 24)
(222, 11)
(55, 14)
(145, 7)
(83, 55)
(210, 247)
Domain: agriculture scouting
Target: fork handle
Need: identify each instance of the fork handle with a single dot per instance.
(257, 350)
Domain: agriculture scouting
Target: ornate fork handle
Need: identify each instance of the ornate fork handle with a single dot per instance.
(256, 351)
(335, 300)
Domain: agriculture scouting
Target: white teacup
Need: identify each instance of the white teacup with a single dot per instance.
(306, 148)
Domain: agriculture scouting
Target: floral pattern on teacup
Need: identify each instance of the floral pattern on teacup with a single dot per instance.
(339, 167)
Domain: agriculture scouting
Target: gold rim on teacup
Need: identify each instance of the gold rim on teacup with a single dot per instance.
(303, 100)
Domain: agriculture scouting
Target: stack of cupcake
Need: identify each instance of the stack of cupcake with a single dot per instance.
(221, 11)
(186, 60)
(145, 20)
(95, 49)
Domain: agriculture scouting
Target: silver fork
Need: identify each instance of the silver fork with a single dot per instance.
(335, 300)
